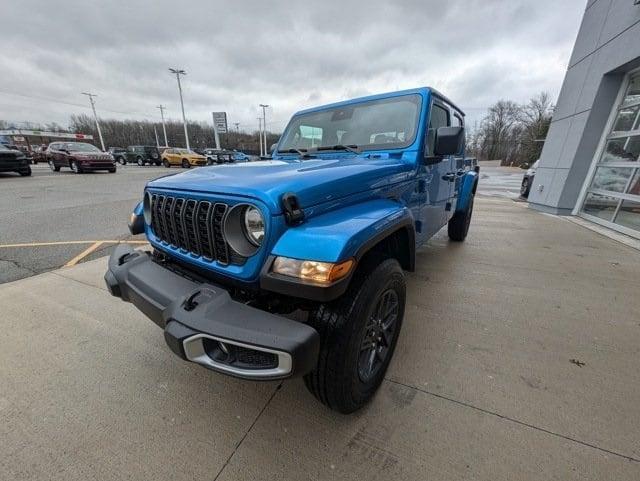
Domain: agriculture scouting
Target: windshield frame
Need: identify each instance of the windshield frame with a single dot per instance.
(420, 102)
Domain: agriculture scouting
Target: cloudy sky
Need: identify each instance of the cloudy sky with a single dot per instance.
(288, 54)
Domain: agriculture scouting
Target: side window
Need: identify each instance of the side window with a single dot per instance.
(439, 118)
(457, 120)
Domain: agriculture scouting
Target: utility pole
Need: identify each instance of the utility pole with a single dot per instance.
(264, 126)
(95, 116)
(164, 128)
(260, 134)
(179, 72)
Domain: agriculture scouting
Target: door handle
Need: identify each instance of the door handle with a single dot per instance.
(449, 176)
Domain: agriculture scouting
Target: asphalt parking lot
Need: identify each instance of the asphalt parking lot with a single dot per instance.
(517, 361)
(54, 217)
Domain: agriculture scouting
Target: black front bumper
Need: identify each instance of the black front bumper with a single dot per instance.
(202, 324)
(14, 165)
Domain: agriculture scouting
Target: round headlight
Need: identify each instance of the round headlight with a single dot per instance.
(254, 225)
(146, 204)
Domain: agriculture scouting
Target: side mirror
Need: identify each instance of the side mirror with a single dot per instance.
(273, 147)
(449, 141)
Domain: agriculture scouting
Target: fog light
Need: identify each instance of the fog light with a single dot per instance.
(315, 271)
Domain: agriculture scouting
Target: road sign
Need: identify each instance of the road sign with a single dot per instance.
(220, 122)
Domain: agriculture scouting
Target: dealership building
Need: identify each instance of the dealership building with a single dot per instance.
(590, 163)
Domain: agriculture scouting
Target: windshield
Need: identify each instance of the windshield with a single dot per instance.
(377, 124)
(80, 147)
(4, 147)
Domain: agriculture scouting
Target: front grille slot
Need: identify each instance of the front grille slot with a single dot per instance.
(193, 226)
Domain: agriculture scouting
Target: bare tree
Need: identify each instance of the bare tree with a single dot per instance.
(513, 133)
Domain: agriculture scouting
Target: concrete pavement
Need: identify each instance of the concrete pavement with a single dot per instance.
(487, 382)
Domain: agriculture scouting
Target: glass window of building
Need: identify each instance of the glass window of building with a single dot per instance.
(613, 196)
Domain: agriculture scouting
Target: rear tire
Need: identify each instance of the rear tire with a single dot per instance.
(122, 160)
(166, 163)
(25, 173)
(525, 188)
(358, 335)
(112, 171)
(458, 227)
(185, 164)
(140, 161)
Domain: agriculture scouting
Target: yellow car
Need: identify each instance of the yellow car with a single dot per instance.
(185, 158)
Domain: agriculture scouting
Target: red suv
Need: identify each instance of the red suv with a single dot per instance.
(79, 157)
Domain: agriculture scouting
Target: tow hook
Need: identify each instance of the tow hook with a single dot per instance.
(190, 304)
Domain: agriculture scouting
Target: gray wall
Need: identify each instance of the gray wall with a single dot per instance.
(607, 47)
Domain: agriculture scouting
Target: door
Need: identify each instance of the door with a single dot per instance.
(130, 156)
(433, 176)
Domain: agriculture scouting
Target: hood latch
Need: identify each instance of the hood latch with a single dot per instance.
(293, 213)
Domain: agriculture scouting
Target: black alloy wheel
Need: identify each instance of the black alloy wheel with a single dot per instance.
(379, 333)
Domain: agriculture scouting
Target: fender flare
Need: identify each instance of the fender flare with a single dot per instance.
(336, 236)
(467, 190)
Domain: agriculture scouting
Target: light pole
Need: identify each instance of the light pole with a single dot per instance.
(95, 116)
(179, 72)
(164, 128)
(260, 134)
(264, 125)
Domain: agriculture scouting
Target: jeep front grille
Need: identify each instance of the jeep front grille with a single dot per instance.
(193, 226)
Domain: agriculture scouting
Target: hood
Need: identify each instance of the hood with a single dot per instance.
(314, 181)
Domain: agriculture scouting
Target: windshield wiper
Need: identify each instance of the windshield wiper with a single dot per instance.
(303, 153)
(349, 148)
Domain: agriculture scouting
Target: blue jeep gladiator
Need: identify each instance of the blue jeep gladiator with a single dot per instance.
(294, 266)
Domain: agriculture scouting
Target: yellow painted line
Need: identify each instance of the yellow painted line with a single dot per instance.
(64, 243)
(83, 254)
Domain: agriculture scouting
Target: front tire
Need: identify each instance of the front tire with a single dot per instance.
(185, 164)
(26, 172)
(458, 226)
(75, 167)
(358, 335)
(140, 161)
(525, 188)
(166, 163)
(122, 160)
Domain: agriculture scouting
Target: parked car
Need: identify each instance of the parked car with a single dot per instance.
(527, 180)
(326, 229)
(119, 154)
(12, 160)
(185, 158)
(218, 156)
(141, 155)
(39, 154)
(240, 156)
(79, 157)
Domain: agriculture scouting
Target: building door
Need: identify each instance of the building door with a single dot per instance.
(613, 196)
